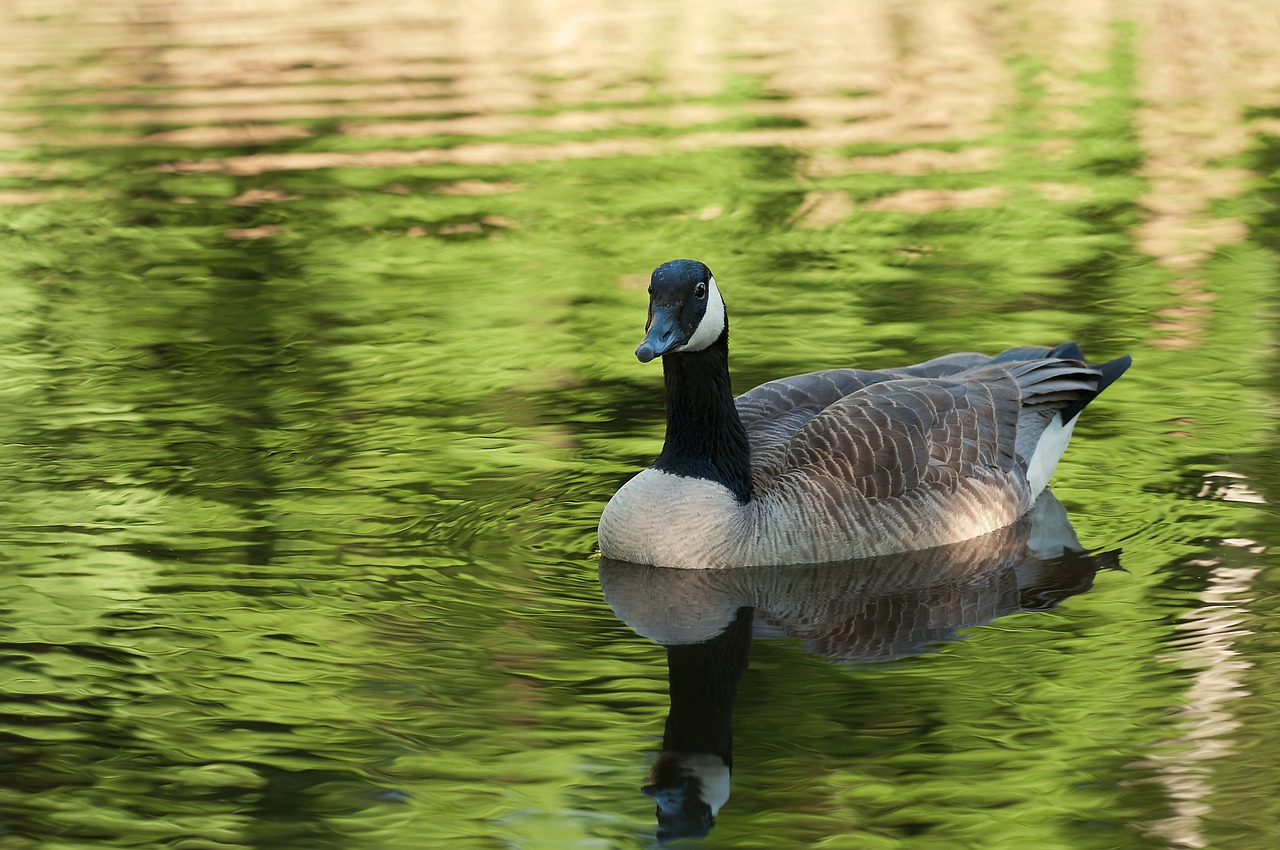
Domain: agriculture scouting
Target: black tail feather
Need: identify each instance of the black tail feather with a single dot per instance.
(1067, 351)
(1110, 371)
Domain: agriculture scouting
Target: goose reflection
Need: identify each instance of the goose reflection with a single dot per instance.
(880, 609)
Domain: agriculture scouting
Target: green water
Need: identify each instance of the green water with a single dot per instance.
(316, 372)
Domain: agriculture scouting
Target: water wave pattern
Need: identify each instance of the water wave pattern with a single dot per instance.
(315, 374)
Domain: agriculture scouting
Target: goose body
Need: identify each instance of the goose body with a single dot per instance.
(840, 463)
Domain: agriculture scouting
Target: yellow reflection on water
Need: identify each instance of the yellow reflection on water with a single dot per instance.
(213, 75)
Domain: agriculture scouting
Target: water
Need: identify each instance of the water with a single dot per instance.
(316, 373)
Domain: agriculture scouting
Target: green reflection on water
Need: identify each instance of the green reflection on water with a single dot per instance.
(300, 493)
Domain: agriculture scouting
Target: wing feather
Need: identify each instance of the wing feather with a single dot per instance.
(894, 437)
(773, 412)
(890, 432)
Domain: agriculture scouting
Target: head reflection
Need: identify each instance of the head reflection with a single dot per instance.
(873, 610)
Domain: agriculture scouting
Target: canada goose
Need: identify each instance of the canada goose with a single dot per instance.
(837, 464)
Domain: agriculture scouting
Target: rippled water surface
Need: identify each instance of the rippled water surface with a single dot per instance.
(316, 372)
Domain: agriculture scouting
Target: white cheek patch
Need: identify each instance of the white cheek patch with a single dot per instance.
(713, 774)
(712, 324)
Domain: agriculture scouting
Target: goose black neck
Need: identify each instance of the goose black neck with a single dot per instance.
(704, 686)
(705, 437)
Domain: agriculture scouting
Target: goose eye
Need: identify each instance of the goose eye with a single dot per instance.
(700, 291)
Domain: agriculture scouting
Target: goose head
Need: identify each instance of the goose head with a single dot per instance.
(686, 312)
(689, 790)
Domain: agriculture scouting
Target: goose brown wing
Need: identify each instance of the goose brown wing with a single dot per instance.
(801, 397)
(773, 412)
(981, 392)
(897, 436)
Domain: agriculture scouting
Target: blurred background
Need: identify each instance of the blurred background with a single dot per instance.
(316, 331)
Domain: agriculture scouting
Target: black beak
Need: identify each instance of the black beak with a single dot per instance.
(681, 814)
(663, 333)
